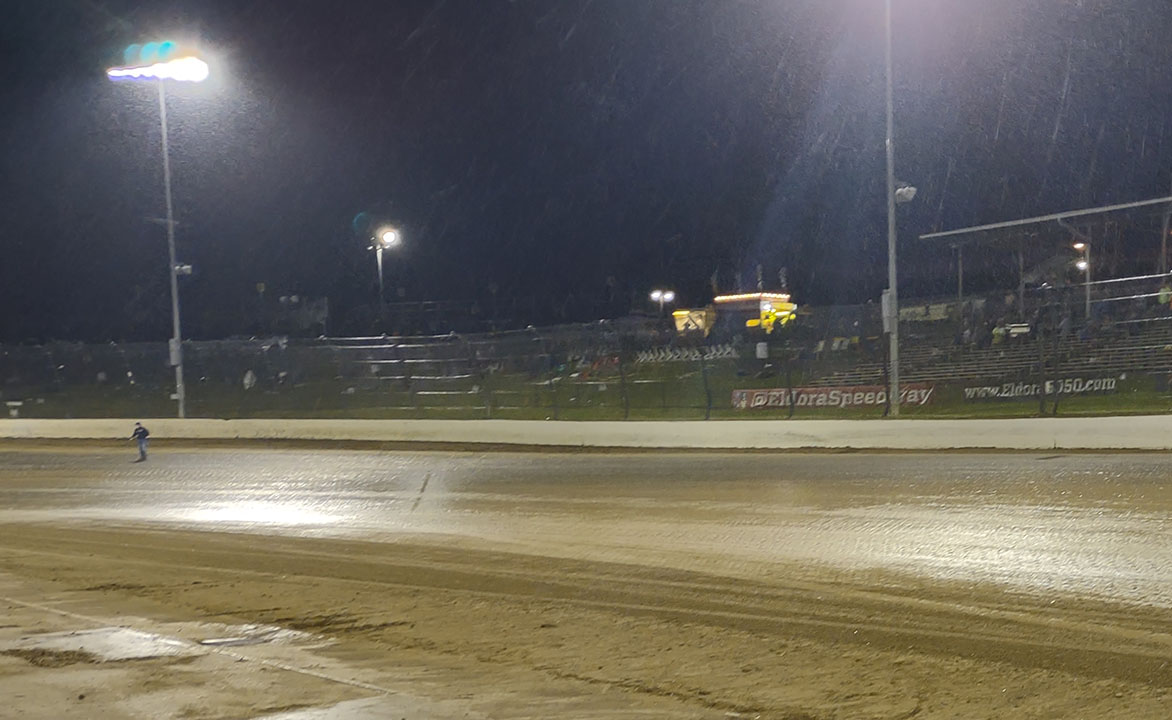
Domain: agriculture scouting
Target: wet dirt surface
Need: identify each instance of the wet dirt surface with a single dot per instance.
(642, 585)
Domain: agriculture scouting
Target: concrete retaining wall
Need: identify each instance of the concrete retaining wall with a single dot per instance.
(1105, 433)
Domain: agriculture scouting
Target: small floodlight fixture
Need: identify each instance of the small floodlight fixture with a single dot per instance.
(1080, 246)
(1082, 264)
(662, 297)
(388, 237)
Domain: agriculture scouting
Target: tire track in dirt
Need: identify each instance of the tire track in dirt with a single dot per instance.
(1022, 636)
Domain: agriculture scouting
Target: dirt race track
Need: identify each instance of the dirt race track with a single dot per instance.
(285, 582)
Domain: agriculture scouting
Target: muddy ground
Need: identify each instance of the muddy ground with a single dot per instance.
(525, 586)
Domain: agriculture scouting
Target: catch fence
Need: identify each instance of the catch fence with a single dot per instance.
(980, 357)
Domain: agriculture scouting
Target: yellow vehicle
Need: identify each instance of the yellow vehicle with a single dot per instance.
(769, 310)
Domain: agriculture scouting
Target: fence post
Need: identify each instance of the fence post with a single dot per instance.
(789, 384)
(707, 388)
(487, 392)
(1057, 363)
(552, 376)
(623, 387)
(1041, 367)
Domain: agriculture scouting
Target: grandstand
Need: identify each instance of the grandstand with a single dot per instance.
(1146, 348)
(1058, 321)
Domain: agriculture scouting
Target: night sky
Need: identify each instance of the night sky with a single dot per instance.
(572, 154)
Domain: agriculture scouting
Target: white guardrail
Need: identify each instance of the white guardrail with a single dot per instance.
(1151, 432)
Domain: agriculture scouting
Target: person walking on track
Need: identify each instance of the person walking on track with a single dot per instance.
(140, 436)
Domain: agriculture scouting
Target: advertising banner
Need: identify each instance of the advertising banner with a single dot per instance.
(844, 396)
(1015, 390)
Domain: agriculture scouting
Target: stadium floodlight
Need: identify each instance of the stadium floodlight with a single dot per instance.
(1079, 246)
(1082, 264)
(159, 62)
(384, 238)
(188, 69)
(389, 237)
(662, 297)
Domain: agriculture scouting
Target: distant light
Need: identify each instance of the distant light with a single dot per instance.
(743, 297)
(184, 69)
(905, 194)
(388, 237)
(662, 296)
(1080, 246)
(1082, 264)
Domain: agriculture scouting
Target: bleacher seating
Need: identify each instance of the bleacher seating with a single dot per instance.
(1145, 346)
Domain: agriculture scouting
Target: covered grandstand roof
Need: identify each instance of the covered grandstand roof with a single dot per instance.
(1053, 217)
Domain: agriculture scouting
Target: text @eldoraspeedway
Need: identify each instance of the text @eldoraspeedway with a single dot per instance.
(829, 397)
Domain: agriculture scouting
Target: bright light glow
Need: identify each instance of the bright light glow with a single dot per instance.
(1080, 246)
(185, 69)
(668, 296)
(742, 297)
(387, 237)
(1082, 264)
(261, 513)
(656, 295)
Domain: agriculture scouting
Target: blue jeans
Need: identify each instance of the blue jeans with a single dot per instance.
(142, 447)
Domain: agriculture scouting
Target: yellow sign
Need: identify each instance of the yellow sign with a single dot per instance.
(773, 314)
(697, 320)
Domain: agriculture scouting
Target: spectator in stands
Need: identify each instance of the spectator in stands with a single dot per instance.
(1164, 296)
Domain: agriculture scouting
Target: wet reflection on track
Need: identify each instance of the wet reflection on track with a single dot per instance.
(1079, 524)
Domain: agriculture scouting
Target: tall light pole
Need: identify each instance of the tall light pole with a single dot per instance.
(158, 63)
(384, 238)
(893, 294)
(662, 297)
